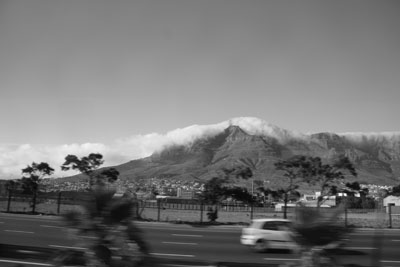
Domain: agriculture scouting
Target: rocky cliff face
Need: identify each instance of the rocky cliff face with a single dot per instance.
(376, 157)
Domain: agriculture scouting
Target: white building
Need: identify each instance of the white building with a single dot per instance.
(392, 201)
(311, 200)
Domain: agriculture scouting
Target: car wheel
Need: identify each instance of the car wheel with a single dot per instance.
(261, 245)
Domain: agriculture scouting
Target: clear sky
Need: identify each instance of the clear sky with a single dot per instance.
(100, 72)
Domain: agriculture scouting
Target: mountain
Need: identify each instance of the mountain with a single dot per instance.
(259, 145)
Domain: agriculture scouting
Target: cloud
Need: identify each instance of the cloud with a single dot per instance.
(372, 136)
(15, 157)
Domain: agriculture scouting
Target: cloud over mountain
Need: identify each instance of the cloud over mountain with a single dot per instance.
(15, 157)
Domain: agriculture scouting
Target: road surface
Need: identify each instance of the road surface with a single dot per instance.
(33, 236)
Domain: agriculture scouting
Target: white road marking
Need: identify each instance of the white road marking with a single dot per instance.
(21, 232)
(395, 240)
(26, 263)
(173, 255)
(179, 243)
(187, 235)
(280, 259)
(148, 225)
(357, 248)
(180, 265)
(57, 246)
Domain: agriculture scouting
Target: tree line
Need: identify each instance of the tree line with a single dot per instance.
(87, 165)
(328, 178)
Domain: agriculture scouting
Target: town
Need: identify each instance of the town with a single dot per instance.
(160, 187)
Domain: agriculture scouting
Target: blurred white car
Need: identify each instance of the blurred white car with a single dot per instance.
(265, 234)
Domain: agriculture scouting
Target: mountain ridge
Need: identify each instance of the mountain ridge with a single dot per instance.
(258, 144)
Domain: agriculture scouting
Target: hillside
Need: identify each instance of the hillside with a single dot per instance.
(376, 157)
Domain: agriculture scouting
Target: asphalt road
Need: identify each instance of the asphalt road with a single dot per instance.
(24, 238)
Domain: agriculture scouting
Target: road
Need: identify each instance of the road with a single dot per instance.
(184, 243)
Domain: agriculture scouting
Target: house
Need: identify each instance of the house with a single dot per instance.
(289, 206)
(292, 206)
(185, 194)
(392, 201)
(312, 200)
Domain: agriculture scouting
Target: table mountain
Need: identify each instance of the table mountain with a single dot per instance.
(376, 156)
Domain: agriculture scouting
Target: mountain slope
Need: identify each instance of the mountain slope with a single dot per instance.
(254, 143)
(376, 158)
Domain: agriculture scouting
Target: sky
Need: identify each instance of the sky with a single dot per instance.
(122, 77)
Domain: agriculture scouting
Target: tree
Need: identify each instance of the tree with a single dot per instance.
(327, 176)
(11, 186)
(353, 186)
(240, 194)
(294, 169)
(218, 188)
(88, 166)
(238, 172)
(31, 179)
(252, 167)
(395, 191)
(214, 191)
(356, 197)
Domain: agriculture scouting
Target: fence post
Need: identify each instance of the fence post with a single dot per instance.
(34, 201)
(58, 203)
(9, 200)
(251, 211)
(345, 216)
(390, 215)
(201, 211)
(158, 210)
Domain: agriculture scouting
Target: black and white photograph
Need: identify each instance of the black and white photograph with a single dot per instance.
(191, 133)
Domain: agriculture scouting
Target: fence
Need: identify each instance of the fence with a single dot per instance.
(54, 204)
(196, 212)
(365, 218)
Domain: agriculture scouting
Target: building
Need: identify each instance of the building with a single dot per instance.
(312, 200)
(185, 194)
(393, 201)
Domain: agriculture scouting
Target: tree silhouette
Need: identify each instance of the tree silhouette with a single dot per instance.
(395, 191)
(252, 166)
(294, 169)
(11, 186)
(214, 191)
(88, 165)
(31, 179)
(218, 188)
(327, 176)
(239, 193)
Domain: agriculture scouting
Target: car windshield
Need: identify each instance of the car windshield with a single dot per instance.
(256, 224)
(271, 225)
